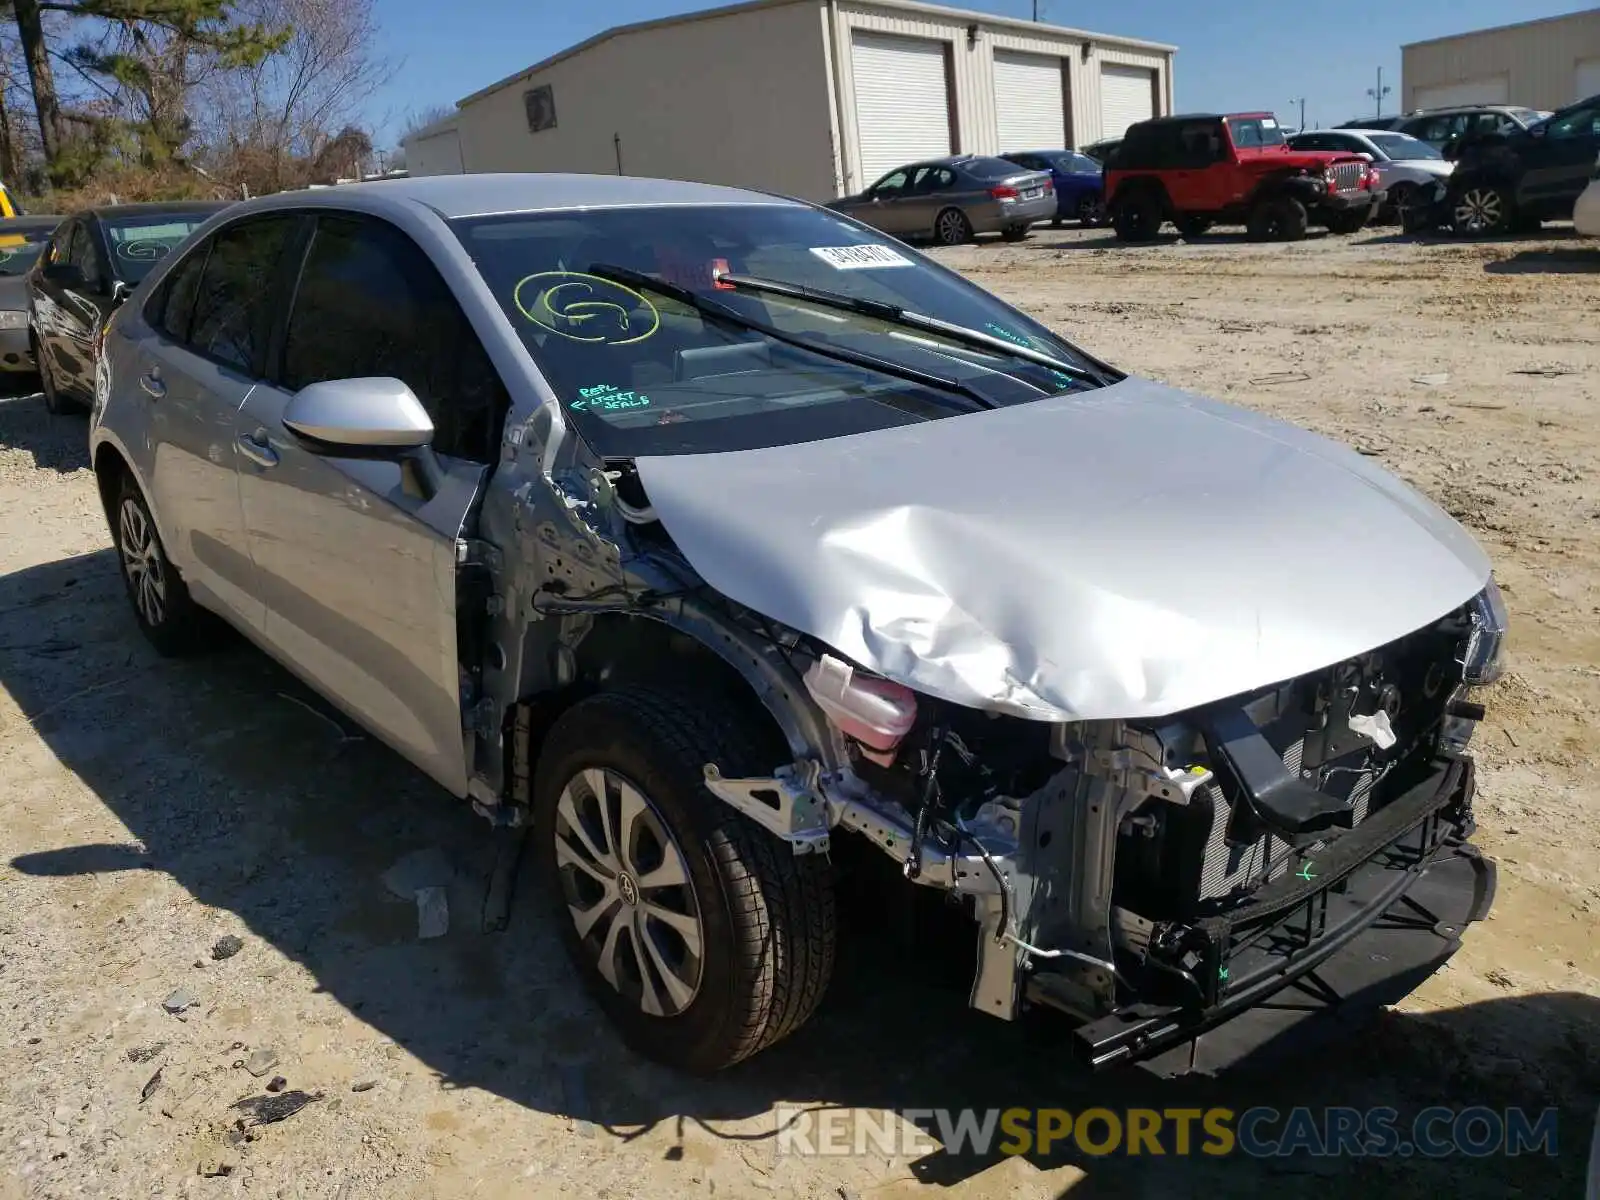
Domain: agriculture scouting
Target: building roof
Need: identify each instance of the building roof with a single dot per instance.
(707, 14)
(1590, 13)
(483, 195)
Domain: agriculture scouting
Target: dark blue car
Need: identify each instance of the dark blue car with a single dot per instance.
(1077, 178)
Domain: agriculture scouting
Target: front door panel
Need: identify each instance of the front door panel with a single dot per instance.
(358, 581)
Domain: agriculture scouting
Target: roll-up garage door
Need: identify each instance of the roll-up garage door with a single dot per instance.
(1030, 106)
(1587, 79)
(1127, 94)
(1492, 89)
(902, 101)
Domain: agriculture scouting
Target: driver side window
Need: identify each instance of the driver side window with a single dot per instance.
(1582, 122)
(891, 184)
(82, 256)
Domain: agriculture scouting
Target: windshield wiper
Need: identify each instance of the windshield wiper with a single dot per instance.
(722, 313)
(895, 315)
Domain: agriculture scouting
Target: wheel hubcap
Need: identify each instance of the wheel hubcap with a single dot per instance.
(1479, 210)
(626, 886)
(142, 563)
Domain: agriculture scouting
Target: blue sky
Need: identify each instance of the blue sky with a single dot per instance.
(1249, 54)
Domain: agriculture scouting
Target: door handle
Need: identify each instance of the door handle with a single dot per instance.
(257, 452)
(151, 383)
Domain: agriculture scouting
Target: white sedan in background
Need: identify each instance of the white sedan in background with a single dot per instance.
(1405, 165)
(1586, 214)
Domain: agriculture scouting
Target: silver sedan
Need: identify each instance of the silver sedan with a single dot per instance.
(949, 200)
(693, 529)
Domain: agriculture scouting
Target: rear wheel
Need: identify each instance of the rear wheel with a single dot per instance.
(1278, 219)
(1192, 227)
(951, 228)
(56, 401)
(1137, 218)
(1482, 209)
(167, 615)
(703, 937)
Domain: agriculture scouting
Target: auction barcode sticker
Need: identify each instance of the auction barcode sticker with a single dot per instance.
(850, 258)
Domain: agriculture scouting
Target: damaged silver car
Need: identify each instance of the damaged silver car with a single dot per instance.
(696, 530)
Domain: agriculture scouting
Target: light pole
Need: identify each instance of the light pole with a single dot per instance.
(1379, 92)
(1301, 101)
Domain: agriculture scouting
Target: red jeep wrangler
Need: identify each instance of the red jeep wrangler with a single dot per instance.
(1197, 171)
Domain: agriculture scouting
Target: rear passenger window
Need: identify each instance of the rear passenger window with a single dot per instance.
(232, 310)
(371, 304)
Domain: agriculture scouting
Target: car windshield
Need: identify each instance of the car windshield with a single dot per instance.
(1403, 146)
(1256, 131)
(642, 372)
(1528, 116)
(138, 243)
(1072, 164)
(20, 248)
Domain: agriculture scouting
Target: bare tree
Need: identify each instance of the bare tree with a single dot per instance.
(421, 118)
(272, 120)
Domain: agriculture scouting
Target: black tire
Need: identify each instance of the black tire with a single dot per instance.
(1015, 233)
(765, 916)
(1344, 224)
(1403, 197)
(951, 228)
(1137, 218)
(56, 402)
(1192, 227)
(1482, 209)
(1091, 212)
(174, 624)
(1278, 219)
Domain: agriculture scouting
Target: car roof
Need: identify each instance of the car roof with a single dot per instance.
(529, 192)
(156, 208)
(30, 221)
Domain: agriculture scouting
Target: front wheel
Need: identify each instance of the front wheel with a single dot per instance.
(1346, 223)
(1014, 233)
(1403, 199)
(1192, 227)
(1482, 209)
(1091, 211)
(56, 402)
(951, 228)
(1278, 219)
(703, 937)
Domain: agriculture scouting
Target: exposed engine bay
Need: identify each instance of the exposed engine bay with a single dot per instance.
(1144, 876)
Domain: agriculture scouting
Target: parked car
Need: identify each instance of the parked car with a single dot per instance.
(1404, 163)
(1101, 151)
(22, 240)
(1372, 122)
(1077, 180)
(1586, 213)
(1201, 170)
(1446, 129)
(90, 264)
(952, 199)
(1515, 181)
(696, 529)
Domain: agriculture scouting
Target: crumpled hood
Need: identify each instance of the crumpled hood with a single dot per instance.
(1130, 552)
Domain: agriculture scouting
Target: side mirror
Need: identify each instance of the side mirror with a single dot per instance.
(371, 418)
(66, 275)
(364, 415)
(1537, 131)
(119, 291)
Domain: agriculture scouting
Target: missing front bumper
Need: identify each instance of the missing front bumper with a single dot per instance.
(1387, 911)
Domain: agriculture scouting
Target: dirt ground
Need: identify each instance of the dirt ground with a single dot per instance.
(149, 809)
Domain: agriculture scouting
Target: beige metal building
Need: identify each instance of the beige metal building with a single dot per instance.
(813, 98)
(1542, 64)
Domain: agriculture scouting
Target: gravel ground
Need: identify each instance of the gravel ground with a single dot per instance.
(155, 810)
